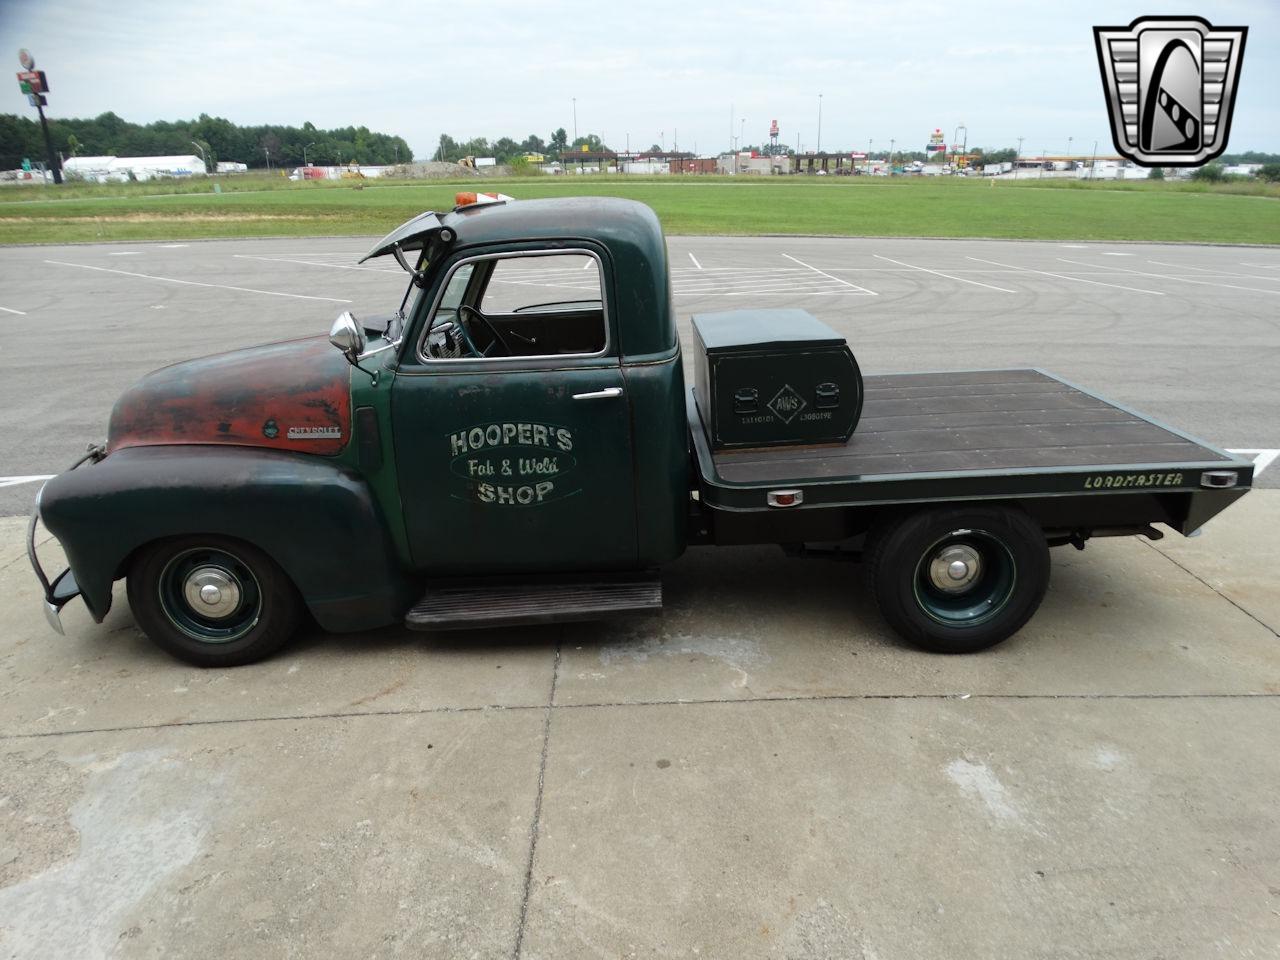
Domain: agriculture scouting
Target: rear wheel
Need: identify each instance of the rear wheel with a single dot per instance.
(212, 601)
(961, 579)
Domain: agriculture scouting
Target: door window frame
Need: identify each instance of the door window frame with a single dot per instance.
(420, 348)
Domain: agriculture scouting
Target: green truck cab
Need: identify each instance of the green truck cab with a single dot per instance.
(517, 443)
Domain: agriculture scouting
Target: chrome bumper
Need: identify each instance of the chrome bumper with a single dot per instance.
(63, 588)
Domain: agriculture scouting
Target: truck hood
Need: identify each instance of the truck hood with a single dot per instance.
(288, 396)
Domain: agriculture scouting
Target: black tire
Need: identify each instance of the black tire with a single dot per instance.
(958, 605)
(254, 605)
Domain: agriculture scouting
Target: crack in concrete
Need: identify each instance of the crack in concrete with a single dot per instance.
(614, 704)
(1252, 616)
(536, 823)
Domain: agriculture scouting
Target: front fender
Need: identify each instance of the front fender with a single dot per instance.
(314, 517)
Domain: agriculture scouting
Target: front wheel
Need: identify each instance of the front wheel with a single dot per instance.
(959, 580)
(212, 601)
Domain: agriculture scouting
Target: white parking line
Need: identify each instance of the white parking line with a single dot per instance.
(1111, 253)
(1264, 266)
(1167, 276)
(938, 273)
(197, 283)
(173, 246)
(1063, 276)
(122, 253)
(865, 291)
(1216, 273)
(14, 481)
(21, 313)
(695, 261)
(313, 263)
(1261, 459)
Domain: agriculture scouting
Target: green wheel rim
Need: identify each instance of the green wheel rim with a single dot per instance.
(233, 606)
(976, 602)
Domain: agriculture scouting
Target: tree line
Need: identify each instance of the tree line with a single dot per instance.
(220, 139)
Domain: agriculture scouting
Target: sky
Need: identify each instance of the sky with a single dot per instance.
(642, 71)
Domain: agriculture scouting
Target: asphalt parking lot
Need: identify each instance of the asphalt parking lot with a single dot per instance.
(764, 770)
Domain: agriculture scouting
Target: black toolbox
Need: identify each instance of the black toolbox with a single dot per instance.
(767, 378)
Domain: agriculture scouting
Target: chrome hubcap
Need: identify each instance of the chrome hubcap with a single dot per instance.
(954, 568)
(211, 592)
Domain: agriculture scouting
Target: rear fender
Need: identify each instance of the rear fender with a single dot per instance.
(314, 517)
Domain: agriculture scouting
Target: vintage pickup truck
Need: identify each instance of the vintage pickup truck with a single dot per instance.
(517, 444)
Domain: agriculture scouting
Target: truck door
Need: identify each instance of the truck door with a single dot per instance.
(512, 423)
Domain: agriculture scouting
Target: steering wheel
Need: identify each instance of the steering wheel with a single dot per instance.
(498, 339)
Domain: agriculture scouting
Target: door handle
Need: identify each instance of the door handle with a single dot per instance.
(605, 394)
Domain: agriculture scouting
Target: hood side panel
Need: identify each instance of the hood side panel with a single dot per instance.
(285, 396)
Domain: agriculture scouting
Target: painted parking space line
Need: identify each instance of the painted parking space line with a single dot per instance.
(1261, 458)
(197, 283)
(316, 263)
(1216, 273)
(1063, 276)
(1264, 266)
(865, 291)
(939, 273)
(695, 261)
(1169, 276)
(122, 253)
(15, 481)
(21, 313)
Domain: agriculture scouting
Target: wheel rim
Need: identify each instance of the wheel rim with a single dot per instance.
(965, 578)
(210, 595)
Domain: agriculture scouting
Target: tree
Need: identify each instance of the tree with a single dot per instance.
(1210, 173)
(1269, 172)
(559, 140)
(1157, 173)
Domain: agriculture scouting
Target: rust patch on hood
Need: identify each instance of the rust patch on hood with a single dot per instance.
(288, 396)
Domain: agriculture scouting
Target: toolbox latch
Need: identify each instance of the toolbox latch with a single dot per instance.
(826, 396)
(746, 400)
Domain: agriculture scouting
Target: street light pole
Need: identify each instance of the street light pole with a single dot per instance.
(819, 123)
(869, 143)
(575, 120)
(891, 142)
(1017, 158)
(304, 152)
(204, 158)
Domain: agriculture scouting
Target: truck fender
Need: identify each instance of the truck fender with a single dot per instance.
(316, 518)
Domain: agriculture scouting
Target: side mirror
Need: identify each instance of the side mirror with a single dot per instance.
(348, 336)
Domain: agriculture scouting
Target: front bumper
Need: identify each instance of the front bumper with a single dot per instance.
(63, 588)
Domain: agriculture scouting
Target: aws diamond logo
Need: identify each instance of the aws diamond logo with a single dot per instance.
(786, 403)
(1171, 86)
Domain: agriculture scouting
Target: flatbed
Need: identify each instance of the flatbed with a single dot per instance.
(1023, 435)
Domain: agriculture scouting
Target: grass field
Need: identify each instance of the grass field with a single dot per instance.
(932, 207)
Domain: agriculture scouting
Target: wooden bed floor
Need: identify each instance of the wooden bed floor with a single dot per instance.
(980, 421)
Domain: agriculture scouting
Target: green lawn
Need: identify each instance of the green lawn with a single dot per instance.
(934, 207)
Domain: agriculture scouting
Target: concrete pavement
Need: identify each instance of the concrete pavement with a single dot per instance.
(762, 772)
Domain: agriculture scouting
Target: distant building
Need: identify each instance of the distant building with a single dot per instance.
(107, 169)
(231, 166)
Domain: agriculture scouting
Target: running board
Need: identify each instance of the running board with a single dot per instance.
(476, 606)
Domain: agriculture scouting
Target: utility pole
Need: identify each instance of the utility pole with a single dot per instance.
(891, 142)
(1093, 164)
(819, 123)
(575, 120)
(1017, 158)
(304, 152)
(267, 151)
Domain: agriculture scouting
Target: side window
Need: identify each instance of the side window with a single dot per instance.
(528, 305)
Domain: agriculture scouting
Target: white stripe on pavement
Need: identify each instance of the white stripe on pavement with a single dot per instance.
(695, 261)
(939, 273)
(1261, 459)
(313, 263)
(14, 481)
(21, 313)
(869, 293)
(1167, 276)
(1063, 276)
(197, 283)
